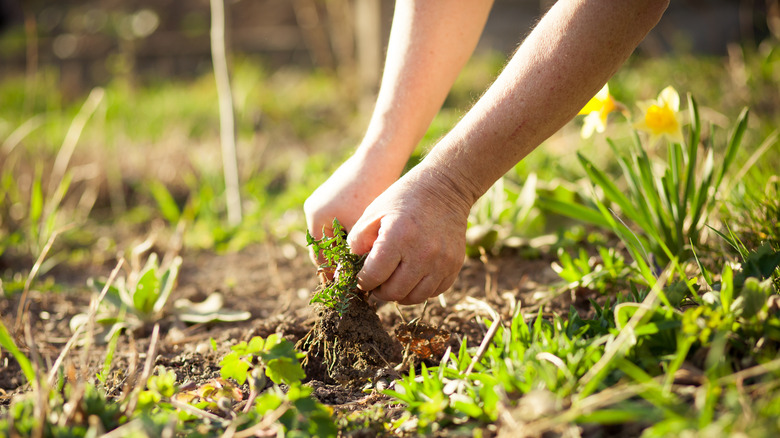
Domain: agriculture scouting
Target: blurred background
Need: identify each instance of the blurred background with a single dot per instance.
(144, 147)
(92, 42)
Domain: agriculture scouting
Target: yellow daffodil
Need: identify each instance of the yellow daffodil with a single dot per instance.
(597, 110)
(661, 117)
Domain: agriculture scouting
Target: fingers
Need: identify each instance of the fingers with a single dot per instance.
(380, 264)
(363, 235)
(392, 277)
(421, 291)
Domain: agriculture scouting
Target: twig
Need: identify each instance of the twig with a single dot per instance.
(125, 429)
(268, 421)
(151, 352)
(196, 411)
(484, 345)
(227, 127)
(754, 371)
(92, 311)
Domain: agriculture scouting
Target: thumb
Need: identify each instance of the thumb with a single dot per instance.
(363, 235)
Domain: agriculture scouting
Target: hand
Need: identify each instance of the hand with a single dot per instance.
(414, 233)
(345, 195)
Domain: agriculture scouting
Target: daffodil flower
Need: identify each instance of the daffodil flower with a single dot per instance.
(662, 117)
(597, 110)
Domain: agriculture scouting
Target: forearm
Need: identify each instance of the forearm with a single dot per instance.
(568, 57)
(430, 41)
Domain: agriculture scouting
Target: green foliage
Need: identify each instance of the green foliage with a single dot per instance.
(278, 360)
(669, 210)
(134, 300)
(342, 263)
(8, 344)
(140, 298)
(83, 412)
(730, 328)
(587, 272)
(506, 210)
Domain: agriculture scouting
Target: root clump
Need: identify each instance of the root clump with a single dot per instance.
(349, 348)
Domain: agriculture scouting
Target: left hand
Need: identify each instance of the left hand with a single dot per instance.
(414, 233)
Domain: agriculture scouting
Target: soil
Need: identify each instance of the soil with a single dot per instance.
(274, 282)
(348, 349)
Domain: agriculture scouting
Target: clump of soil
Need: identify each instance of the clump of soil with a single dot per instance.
(350, 348)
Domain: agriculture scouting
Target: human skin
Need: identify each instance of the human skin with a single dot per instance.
(413, 228)
(429, 45)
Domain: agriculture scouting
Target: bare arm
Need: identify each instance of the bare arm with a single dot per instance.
(414, 230)
(430, 41)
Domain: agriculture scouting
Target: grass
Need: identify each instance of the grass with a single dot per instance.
(684, 343)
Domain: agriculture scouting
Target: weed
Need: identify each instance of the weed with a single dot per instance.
(140, 299)
(588, 272)
(342, 264)
(277, 359)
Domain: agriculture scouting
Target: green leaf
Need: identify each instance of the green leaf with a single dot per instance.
(7, 342)
(611, 191)
(36, 199)
(166, 284)
(753, 296)
(573, 210)
(146, 292)
(727, 287)
(168, 207)
(284, 370)
(733, 145)
(234, 367)
(619, 415)
(256, 345)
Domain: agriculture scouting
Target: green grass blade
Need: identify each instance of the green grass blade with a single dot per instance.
(611, 191)
(704, 272)
(165, 201)
(573, 210)
(650, 191)
(693, 148)
(702, 195)
(634, 185)
(733, 145)
(7, 342)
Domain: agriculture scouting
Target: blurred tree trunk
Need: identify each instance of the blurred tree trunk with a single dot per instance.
(368, 35)
(314, 34)
(342, 35)
(227, 124)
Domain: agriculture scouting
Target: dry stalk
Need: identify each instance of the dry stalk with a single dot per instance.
(21, 310)
(196, 411)
(227, 122)
(72, 137)
(268, 421)
(19, 134)
(125, 429)
(484, 345)
(151, 353)
(91, 316)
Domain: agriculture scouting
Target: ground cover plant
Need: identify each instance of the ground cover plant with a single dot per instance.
(633, 292)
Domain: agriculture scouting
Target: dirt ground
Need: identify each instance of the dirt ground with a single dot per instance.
(273, 283)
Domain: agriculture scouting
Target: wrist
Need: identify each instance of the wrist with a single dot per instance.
(383, 156)
(454, 177)
(445, 184)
